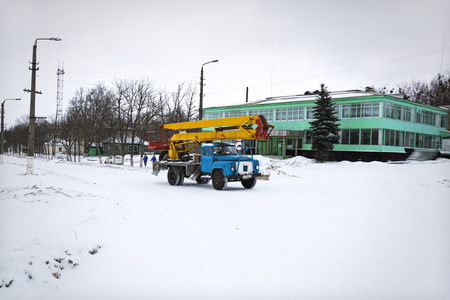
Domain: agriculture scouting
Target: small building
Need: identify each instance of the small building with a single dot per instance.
(372, 126)
(111, 146)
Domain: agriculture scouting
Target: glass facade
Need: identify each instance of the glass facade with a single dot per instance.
(364, 124)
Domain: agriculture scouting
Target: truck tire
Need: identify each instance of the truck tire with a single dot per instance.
(249, 183)
(219, 180)
(180, 178)
(172, 177)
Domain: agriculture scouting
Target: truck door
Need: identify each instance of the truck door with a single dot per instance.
(207, 160)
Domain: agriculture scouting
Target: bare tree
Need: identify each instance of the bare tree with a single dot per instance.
(67, 134)
(435, 93)
(100, 102)
(16, 137)
(135, 107)
(178, 106)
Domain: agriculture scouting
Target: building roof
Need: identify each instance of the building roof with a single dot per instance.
(340, 95)
(312, 96)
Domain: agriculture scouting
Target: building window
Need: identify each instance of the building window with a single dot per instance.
(351, 111)
(406, 114)
(354, 136)
(397, 139)
(376, 106)
(375, 134)
(367, 110)
(350, 136)
(345, 111)
(280, 114)
(429, 118)
(369, 136)
(365, 136)
(371, 110)
(389, 111)
(213, 115)
(295, 114)
(268, 113)
(308, 139)
(398, 112)
(356, 110)
(386, 134)
(309, 112)
(336, 111)
(443, 122)
(344, 136)
(409, 139)
(425, 117)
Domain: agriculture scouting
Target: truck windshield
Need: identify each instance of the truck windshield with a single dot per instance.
(224, 150)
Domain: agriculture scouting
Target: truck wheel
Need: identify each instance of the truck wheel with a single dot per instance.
(172, 177)
(180, 178)
(219, 180)
(249, 183)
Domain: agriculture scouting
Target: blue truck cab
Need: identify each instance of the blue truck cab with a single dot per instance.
(222, 163)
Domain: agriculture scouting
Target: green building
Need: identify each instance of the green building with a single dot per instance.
(372, 126)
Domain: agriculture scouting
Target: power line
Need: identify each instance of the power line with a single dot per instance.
(341, 71)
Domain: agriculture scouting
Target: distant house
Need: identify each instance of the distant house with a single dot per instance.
(59, 146)
(372, 126)
(111, 146)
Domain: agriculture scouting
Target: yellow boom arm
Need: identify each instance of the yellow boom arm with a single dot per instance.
(235, 128)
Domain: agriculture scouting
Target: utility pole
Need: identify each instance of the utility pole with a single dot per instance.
(31, 127)
(200, 109)
(2, 141)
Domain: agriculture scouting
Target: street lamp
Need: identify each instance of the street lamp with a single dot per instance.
(3, 128)
(200, 111)
(30, 154)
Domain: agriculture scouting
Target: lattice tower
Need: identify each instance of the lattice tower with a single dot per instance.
(59, 92)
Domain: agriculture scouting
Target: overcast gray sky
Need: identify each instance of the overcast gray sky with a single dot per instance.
(274, 47)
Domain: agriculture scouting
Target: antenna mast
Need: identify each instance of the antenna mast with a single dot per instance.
(59, 92)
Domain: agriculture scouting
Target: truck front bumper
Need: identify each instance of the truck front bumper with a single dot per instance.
(239, 177)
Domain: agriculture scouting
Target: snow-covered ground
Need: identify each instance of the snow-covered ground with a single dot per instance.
(312, 231)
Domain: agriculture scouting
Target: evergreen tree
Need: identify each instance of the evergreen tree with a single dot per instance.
(324, 129)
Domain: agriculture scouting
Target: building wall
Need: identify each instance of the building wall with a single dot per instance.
(372, 123)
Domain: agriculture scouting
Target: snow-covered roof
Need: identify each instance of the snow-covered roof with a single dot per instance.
(312, 96)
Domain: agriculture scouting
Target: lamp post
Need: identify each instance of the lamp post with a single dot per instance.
(3, 128)
(30, 153)
(200, 110)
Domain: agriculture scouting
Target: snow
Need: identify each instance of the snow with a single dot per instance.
(336, 230)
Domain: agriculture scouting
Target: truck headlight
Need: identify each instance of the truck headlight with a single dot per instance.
(232, 167)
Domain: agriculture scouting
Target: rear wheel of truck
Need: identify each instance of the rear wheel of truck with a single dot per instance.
(219, 180)
(249, 183)
(172, 177)
(180, 178)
